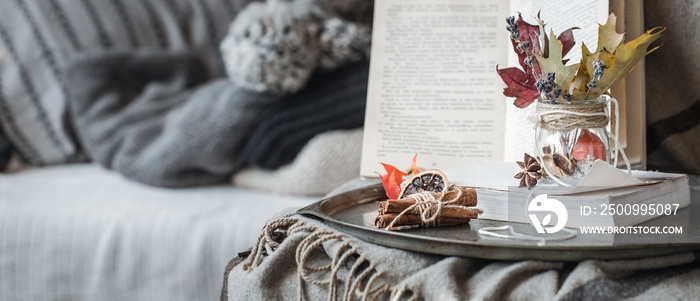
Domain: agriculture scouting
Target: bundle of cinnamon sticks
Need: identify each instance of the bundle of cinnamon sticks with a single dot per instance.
(458, 211)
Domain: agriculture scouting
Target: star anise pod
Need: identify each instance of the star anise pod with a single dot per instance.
(531, 172)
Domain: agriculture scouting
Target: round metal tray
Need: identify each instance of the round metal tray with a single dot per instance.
(353, 212)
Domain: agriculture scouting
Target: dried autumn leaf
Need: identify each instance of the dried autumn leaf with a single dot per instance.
(530, 34)
(554, 63)
(578, 86)
(520, 85)
(392, 181)
(567, 40)
(608, 38)
(609, 43)
(626, 57)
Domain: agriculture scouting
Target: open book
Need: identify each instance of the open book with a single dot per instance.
(434, 90)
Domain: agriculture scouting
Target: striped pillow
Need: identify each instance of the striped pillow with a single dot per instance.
(39, 38)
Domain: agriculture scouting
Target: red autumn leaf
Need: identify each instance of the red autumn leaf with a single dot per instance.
(588, 146)
(528, 33)
(531, 33)
(567, 40)
(392, 181)
(520, 85)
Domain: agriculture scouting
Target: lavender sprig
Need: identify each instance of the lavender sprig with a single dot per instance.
(548, 89)
(522, 46)
(567, 96)
(513, 28)
(598, 69)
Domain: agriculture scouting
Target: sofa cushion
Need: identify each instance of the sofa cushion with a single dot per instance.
(38, 39)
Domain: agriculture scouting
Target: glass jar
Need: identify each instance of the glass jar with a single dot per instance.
(571, 136)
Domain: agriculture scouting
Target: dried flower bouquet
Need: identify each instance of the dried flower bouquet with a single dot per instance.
(546, 75)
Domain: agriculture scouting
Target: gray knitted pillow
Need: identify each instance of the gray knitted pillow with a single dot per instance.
(38, 38)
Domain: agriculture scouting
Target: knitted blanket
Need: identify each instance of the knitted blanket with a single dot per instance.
(300, 258)
(163, 119)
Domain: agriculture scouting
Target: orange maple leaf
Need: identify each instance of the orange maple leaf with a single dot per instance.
(394, 177)
(392, 181)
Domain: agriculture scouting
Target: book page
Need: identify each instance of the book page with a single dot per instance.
(433, 89)
(559, 15)
(629, 91)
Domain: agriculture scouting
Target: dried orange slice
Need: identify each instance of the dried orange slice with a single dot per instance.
(430, 180)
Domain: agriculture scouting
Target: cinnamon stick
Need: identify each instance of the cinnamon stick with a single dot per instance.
(446, 211)
(467, 199)
(384, 220)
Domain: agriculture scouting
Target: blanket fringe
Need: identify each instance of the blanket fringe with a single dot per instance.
(396, 294)
(361, 281)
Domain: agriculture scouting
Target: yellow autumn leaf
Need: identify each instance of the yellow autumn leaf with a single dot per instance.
(608, 38)
(624, 59)
(578, 88)
(578, 84)
(553, 63)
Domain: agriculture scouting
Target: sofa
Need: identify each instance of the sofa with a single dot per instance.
(133, 166)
